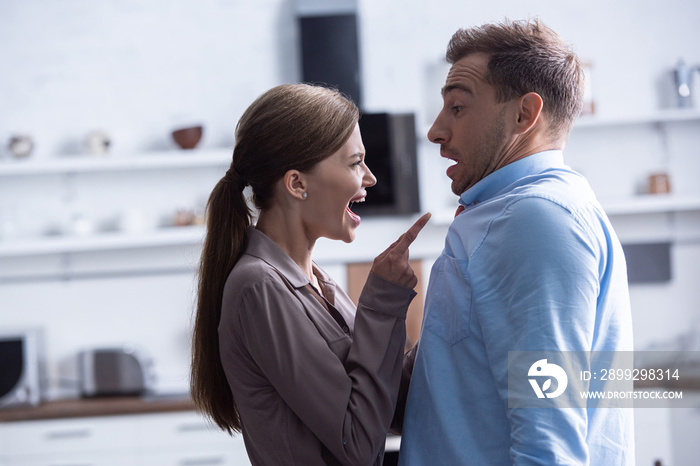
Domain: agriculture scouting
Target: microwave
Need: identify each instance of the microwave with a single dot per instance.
(21, 367)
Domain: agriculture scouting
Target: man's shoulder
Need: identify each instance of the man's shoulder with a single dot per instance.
(561, 187)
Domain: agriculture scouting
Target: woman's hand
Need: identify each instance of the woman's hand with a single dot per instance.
(392, 264)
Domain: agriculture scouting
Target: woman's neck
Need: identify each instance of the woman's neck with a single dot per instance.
(286, 230)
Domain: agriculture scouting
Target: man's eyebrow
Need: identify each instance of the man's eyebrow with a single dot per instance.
(451, 87)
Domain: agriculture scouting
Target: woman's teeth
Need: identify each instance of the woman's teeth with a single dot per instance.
(353, 202)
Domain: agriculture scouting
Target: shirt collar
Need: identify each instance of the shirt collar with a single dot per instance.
(261, 246)
(497, 181)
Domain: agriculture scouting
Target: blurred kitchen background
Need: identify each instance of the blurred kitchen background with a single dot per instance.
(101, 209)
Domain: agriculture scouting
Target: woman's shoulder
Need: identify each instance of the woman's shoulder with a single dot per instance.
(250, 280)
(251, 272)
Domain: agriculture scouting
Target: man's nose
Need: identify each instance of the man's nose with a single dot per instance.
(437, 133)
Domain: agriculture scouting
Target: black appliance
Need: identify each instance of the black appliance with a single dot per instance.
(21, 367)
(330, 56)
(390, 147)
(330, 52)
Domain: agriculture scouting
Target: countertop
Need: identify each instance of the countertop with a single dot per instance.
(89, 407)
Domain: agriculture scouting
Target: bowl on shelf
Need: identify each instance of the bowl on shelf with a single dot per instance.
(187, 138)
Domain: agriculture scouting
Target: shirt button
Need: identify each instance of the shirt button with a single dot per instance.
(345, 329)
(345, 441)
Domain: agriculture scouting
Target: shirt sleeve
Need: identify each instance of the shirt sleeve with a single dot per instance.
(536, 284)
(348, 406)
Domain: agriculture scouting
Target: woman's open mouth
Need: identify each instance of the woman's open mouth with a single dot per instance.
(353, 215)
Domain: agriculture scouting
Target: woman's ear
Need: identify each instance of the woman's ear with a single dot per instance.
(295, 184)
(529, 111)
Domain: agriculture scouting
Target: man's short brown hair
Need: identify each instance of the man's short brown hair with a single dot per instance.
(527, 56)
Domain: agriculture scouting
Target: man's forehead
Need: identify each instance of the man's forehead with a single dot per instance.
(472, 67)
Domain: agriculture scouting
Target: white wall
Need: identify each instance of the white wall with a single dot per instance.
(138, 69)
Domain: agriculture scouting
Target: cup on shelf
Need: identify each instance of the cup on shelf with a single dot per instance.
(659, 183)
(188, 138)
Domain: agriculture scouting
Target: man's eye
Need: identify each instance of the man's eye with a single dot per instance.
(457, 108)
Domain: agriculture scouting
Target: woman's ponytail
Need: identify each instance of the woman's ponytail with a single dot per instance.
(228, 218)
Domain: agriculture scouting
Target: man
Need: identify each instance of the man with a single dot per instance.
(531, 263)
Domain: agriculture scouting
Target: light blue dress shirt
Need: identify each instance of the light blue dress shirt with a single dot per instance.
(531, 264)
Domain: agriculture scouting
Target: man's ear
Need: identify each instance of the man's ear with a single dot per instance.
(529, 111)
(295, 184)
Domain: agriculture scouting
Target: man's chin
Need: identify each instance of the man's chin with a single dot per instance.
(457, 188)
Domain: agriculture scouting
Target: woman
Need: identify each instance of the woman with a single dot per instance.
(279, 351)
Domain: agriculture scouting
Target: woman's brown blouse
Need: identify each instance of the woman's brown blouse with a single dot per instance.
(314, 384)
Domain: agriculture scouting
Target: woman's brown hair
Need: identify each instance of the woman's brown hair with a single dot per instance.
(289, 127)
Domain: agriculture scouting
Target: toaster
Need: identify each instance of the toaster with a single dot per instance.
(120, 371)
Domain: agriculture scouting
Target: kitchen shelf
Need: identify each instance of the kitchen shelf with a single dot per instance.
(114, 162)
(376, 234)
(651, 203)
(662, 116)
(98, 407)
(220, 158)
(600, 122)
(636, 205)
(172, 236)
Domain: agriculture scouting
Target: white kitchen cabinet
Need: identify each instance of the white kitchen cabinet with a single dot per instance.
(206, 457)
(67, 436)
(71, 442)
(177, 439)
(186, 439)
(75, 460)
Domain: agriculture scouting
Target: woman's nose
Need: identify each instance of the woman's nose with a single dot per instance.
(368, 179)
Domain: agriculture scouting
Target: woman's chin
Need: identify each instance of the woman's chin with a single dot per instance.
(346, 235)
(350, 234)
(347, 231)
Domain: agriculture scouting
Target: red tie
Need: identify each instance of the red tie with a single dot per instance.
(459, 210)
